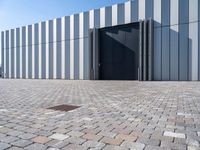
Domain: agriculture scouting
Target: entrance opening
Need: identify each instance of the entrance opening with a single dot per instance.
(122, 52)
(119, 52)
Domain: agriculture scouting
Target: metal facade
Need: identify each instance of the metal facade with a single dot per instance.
(59, 48)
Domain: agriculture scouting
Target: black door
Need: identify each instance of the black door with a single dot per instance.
(118, 55)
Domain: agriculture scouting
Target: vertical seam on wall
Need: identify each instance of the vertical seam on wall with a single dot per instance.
(169, 39)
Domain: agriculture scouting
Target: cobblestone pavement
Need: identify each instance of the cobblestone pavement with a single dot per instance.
(116, 115)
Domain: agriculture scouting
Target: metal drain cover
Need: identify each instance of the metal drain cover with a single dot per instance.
(64, 107)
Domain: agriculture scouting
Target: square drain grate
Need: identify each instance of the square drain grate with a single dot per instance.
(64, 107)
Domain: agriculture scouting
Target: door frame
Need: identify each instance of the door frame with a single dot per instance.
(146, 36)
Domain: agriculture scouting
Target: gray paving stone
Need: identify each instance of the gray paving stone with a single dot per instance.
(36, 146)
(4, 146)
(21, 143)
(8, 139)
(94, 144)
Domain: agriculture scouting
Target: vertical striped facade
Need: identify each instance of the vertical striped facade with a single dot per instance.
(59, 48)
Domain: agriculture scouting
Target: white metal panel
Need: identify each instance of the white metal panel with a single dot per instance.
(27, 52)
(193, 10)
(157, 54)
(47, 49)
(40, 52)
(193, 51)
(63, 48)
(114, 15)
(174, 52)
(9, 53)
(102, 17)
(127, 11)
(141, 9)
(33, 51)
(157, 13)
(71, 47)
(81, 45)
(54, 48)
(174, 12)
(2, 54)
(21, 45)
(91, 19)
(5, 69)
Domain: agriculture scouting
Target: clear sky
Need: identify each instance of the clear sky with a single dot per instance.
(16, 13)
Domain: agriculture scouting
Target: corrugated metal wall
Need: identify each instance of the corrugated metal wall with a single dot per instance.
(58, 49)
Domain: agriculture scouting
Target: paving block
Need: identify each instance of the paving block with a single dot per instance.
(133, 145)
(173, 134)
(58, 136)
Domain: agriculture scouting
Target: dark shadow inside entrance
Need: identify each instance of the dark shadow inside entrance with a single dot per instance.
(119, 52)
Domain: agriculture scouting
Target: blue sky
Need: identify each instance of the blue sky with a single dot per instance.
(16, 13)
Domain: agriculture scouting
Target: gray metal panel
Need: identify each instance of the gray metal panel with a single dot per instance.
(86, 24)
(108, 16)
(145, 50)
(183, 52)
(58, 67)
(2, 54)
(86, 59)
(76, 59)
(50, 31)
(12, 53)
(76, 26)
(23, 52)
(30, 51)
(157, 13)
(96, 18)
(157, 54)
(67, 28)
(193, 10)
(149, 9)
(18, 52)
(141, 51)
(67, 59)
(165, 53)
(36, 50)
(150, 49)
(165, 12)
(199, 45)
(174, 53)
(183, 11)
(120, 14)
(7, 51)
(43, 45)
(134, 11)
(51, 60)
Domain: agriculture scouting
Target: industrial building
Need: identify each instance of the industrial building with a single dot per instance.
(136, 40)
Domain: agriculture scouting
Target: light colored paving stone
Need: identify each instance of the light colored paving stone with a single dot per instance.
(94, 144)
(75, 147)
(173, 134)
(133, 145)
(75, 133)
(58, 136)
(113, 147)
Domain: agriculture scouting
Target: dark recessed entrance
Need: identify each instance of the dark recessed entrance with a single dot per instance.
(118, 52)
(122, 52)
